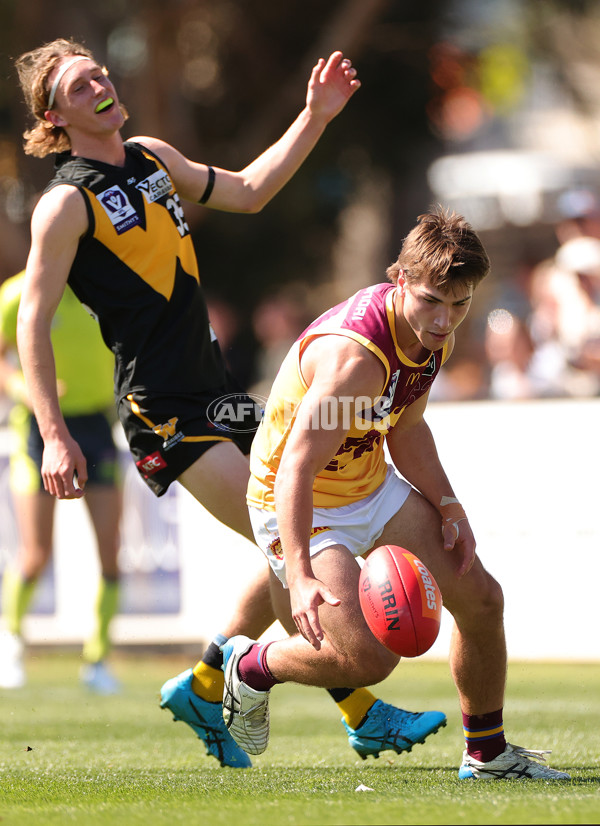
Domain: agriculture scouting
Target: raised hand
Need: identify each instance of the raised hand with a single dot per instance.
(331, 86)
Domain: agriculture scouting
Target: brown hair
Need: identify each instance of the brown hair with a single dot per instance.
(442, 249)
(33, 69)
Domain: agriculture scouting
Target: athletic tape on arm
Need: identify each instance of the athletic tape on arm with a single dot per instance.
(452, 513)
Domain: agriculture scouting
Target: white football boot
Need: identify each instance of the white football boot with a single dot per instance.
(245, 710)
(515, 763)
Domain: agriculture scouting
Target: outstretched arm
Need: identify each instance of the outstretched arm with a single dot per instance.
(332, 83)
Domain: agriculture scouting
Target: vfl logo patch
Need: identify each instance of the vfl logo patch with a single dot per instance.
(151, 464)
(155, 186)
(116, 205)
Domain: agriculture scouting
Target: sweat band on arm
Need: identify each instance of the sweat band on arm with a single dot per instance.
(209, 186)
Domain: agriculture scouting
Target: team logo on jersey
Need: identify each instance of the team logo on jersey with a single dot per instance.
(353, 447)
(276, 548)
(118, 208)
(430, 369)
(168, 432)
(155, 186)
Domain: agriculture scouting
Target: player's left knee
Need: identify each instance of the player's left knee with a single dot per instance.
(491, 598)
(479, 601)
(377, 665)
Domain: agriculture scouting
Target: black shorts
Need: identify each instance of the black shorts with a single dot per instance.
(93, 434)
(167, 433)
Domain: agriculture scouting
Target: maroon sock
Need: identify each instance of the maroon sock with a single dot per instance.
(484, 735)
(253, 668)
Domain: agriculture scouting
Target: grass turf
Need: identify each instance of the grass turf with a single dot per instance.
(68, 757)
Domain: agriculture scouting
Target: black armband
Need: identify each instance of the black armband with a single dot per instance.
(209, 186)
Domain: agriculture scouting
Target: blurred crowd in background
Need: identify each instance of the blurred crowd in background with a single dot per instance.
(486, 106)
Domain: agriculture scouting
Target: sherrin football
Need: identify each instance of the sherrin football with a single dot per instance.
(400, 600)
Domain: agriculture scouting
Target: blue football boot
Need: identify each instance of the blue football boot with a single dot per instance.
(205, 718)
(386, 728)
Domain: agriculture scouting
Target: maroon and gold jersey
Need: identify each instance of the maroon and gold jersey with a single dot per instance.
(136, 271)
(359, 466)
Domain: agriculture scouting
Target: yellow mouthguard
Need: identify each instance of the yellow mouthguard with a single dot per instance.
(104, 105)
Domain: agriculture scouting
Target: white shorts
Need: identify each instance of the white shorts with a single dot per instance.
(356, 526)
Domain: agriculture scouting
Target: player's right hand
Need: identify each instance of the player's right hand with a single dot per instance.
(331, 85)
(64, 469)
(306, 595)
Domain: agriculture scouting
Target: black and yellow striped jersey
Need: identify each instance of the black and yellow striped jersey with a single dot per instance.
(136, 271)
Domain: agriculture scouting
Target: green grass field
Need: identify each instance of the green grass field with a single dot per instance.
(68, 757)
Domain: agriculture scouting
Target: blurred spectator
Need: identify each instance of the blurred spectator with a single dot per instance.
(579, 262)
(509, 350)
(237, 344)
(561, 324)
(84, 367)
(580, 215)
(518, 370)
(461, 379)
(277, 322)
(565, 299)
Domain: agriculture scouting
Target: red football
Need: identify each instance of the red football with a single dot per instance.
(400, 600)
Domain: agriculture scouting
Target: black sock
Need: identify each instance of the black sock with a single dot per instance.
(339, 694)
(213, 656)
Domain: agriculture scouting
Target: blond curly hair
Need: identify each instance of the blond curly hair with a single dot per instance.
(34, 68)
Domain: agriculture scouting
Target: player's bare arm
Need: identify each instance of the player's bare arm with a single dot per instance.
(413, 451)
(332, 84)
(58, 222)
(334, 368)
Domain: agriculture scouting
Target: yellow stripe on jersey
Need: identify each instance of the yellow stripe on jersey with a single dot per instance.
(159, 428)
(154, 259)
(136, 409)
(206, 439)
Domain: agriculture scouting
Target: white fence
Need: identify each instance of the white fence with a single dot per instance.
(526, 472)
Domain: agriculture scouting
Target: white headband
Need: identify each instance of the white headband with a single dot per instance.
(59, 76)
